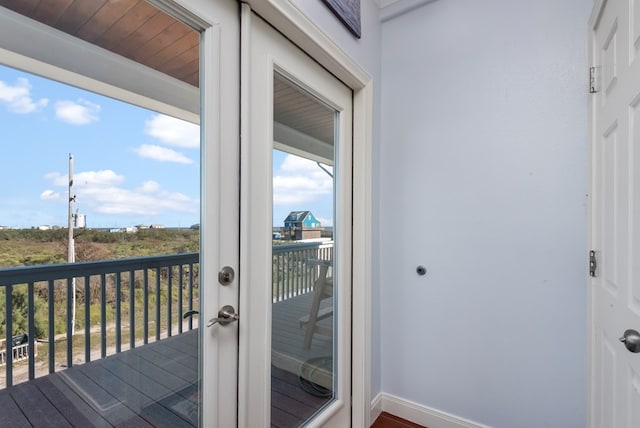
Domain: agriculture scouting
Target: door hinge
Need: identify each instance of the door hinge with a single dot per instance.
(593, 264)
(593, 80)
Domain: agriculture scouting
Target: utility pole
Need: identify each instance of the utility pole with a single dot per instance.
(71, 253)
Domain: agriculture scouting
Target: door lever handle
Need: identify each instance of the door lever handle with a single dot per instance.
(226, 315)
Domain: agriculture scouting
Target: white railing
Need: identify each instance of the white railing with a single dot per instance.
(292, 274)
(19, 352)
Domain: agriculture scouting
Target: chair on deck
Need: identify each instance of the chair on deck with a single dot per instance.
(322, 289)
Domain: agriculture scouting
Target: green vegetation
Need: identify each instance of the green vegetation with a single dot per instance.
(26, 247)
(36, 247)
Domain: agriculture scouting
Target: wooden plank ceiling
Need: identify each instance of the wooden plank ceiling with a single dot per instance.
(134, 29)
(302, 112)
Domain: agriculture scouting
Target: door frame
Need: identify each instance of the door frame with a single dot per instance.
(285, 17)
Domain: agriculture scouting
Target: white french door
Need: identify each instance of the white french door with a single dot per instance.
(287, 359)
(615, 216)
(289, 328)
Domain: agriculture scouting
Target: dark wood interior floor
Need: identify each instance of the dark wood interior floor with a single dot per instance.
(387, 420)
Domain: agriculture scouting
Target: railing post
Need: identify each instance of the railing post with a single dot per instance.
(191, 294)
(132, 309)
(31, 332)
(180, 285)
(87, 318)
(69, 322)
(52, 332)
(118, 313)
(157, 303)
(169, 299)
(146, 306)
(103, 315)
(8, 305)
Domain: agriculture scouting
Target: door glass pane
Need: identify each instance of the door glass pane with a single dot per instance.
(104, 343)
(303, 345)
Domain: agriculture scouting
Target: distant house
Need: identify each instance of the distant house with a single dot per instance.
(157, 226)
(302, 225)
(123, 230)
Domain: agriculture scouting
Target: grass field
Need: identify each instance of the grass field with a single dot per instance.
(23, 247)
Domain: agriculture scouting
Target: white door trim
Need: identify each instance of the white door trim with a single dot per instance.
(290, 21)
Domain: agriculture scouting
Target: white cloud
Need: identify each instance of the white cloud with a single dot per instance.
(161, 154)
(18, 97)
(50, 195)
(103, 192)
(173, 132)
(141, 202)
(300, 181)
(298, 165)
(81, 112)
(149, 187)
(325, 222)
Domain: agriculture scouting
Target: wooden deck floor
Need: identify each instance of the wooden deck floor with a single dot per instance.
(156, 385)
(287, 342)
(294, 400)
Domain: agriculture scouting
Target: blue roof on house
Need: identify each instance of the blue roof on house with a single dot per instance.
(296, 215)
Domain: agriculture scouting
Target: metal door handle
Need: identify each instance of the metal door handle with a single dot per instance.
(631, 340)
(226, 315)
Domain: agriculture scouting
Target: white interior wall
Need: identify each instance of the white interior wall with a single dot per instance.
(483, 179)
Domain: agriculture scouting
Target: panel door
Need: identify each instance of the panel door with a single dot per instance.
(615, 215)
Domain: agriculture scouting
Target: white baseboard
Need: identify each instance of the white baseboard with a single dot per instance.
(417, 413)
(376, 407)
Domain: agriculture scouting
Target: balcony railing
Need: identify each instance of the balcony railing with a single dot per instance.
(144, 291)
(292, 273)
(120, 303)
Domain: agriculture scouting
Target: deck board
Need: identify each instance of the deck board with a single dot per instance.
(11, 415)
(37, 408)
(73, 411)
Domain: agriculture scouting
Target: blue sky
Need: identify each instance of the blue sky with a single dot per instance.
(131, 165)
